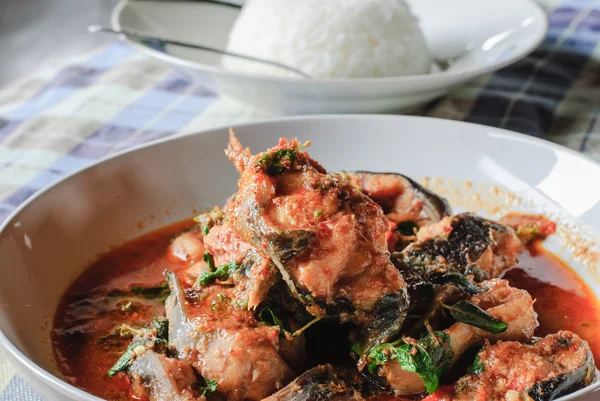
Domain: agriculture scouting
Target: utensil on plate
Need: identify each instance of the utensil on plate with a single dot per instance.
(217, 2)
(479, 38)
(160, 42)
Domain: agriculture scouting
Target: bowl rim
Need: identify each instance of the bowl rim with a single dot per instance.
(436, 78)
(65, 387)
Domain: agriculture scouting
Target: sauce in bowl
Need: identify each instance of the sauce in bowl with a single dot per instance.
(104, 297)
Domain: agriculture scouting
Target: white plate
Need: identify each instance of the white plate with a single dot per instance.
(481, 36)
(48, 241)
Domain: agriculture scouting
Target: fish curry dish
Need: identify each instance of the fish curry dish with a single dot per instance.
(315, 285)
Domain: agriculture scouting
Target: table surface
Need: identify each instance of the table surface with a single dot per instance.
(25, 42)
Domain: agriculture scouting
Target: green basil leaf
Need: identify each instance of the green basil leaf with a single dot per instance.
(438, 348)
(355, 348)
(222, 273)
(407, 228)
(155, 332)
(162, 327)
(458, 280)
(125, 361)
(209, 387)
(466, 312)
(160, 291)
(429, 357)
(378, 357)
(266, 315)
(210, 262)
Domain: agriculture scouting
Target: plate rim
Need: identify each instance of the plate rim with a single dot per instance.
(435, 78)
(62, 385)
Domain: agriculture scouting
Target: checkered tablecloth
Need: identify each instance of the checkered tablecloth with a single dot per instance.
(65, 118)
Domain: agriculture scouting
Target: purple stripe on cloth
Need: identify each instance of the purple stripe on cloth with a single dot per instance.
(204, 92)
(5, 211)
(44, 179)
(76, 77)
(70, 78)
(539, 83)
(91, 150)
(591, 23)
(19, 196)
(7, 128)
(100, 143)
(562, 17)
(18, 390)
(109, 134)
(146, 136)
(175, 82)
(161, 111)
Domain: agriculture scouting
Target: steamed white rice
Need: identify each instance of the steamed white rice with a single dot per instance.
(330, 38)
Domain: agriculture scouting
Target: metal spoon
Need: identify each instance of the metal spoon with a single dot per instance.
(217, 2)
(163, 41)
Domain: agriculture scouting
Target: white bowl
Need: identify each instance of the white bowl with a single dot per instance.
(47, 243)
(480, 36)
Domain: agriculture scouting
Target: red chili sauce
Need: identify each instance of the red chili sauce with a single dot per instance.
(86, 346)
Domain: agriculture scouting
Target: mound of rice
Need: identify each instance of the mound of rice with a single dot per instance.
(330, 38)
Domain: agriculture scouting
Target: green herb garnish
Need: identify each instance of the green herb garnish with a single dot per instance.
(469, 313)
(221, 273)
(126, 330)
(477, 366)
(276, 163)
(458, 280)
(125, 361)
(533, 231)
(210, 262)
(154, 335)
(429, 357)
(215, 302)
(162, 327)
(209, 220)
(355, 348)
(266, 315)
(209, 387)
(160, 291)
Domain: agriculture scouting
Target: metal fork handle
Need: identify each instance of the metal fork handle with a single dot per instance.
(217, 2)
(161, 41)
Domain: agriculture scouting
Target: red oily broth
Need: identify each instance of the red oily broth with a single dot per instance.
(87, 314)
(562, 300)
